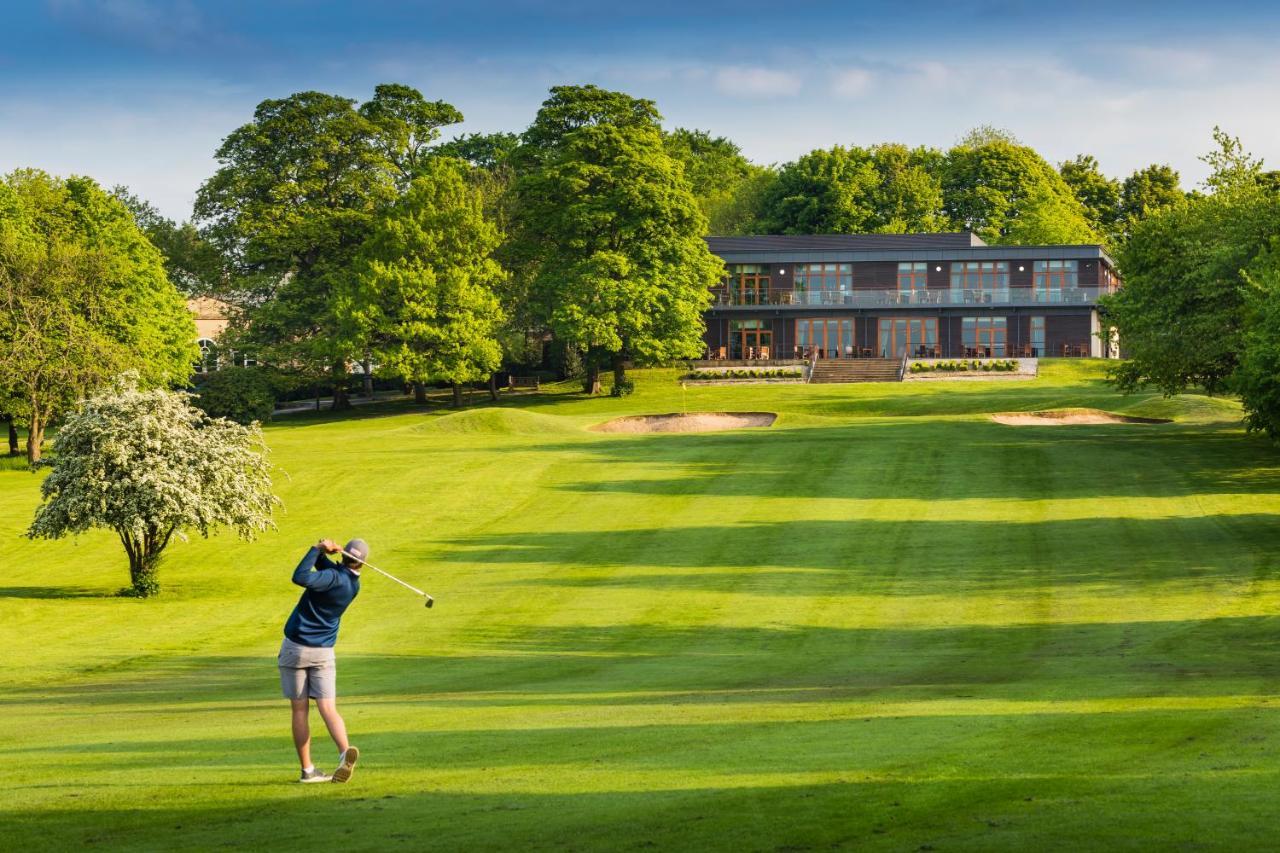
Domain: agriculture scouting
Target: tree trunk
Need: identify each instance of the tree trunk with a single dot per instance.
(419, 393)
(368, 378)
(144, 560)
(35, 438)
(619, 370)
(142, 577)
(493, 387)
(13, 438)
(457, 395)
(341, 400)
(591, 384)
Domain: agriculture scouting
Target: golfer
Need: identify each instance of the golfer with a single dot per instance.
(307, 666)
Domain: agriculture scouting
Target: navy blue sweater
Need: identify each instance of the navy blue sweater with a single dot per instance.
(330, 589)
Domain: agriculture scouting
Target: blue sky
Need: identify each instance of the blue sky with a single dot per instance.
(141, 91)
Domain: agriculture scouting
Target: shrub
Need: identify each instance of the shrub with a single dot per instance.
(623, 388)
(240, 394)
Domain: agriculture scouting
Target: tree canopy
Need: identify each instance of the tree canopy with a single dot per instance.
(1182, 311)
(424, 296)
(988, 186)
(294, 199)
(83, 294)
(149, 466)
(608, 232)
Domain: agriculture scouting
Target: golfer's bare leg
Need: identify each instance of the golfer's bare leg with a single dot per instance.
(302, 730)
(328, 709)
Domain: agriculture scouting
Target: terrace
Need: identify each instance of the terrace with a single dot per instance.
(1011, 296)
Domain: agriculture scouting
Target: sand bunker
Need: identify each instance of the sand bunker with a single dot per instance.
(692, 422)
(1064, 417)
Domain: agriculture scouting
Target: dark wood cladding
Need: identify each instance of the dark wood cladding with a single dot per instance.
(1021, 277)
(1060, 330)
(939, 275)
(1088, 273)
(875, 275)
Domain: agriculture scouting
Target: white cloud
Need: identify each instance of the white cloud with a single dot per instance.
(755, 82)
(851, 82)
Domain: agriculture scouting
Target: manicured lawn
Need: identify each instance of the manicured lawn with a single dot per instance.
(884, 623)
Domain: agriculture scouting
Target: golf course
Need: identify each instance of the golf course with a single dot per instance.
(884, 622)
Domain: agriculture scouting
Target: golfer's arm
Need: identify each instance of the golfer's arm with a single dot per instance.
(304, 576)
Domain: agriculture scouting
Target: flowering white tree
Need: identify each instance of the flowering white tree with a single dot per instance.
(150, 466)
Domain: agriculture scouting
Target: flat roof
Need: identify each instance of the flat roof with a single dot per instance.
(814, 248)
(839, 242)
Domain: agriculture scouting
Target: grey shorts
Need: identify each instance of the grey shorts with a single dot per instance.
(307, 671)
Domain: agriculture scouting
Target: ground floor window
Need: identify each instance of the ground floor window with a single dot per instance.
(1037, 337)
(750, 339)
(825, 338)
(208, 361)
(915, 335)
(984, 337)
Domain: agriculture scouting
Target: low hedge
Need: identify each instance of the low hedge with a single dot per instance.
(746, 373)
(1003, 365)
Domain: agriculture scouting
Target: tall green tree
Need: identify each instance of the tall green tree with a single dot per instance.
(886, 188)
(1099, 194)
(987, 186)
(83, 295)
(425, 295)
(1182, 311)
(1148, 190)
(609, 234)
(1258, 378)
(294, 199)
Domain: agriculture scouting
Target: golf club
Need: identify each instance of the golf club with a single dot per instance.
(430, 600)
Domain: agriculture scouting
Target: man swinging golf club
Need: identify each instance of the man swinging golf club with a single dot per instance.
(307, 666)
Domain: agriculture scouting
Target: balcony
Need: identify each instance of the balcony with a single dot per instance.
(1012, 296)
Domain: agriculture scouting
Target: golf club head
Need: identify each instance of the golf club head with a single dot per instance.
(430, 601)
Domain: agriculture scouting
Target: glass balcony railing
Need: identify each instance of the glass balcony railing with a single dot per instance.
(895, 298)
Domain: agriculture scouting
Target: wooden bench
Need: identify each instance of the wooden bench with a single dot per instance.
(515, 383)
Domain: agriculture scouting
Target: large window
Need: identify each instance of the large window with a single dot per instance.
(748, 284)
(979, 281)
(824, 338)
(913, 276)
(823, 284)
(1054, 277)
(750, 339)
(1037, 337)
(916, 336)
(984, 337)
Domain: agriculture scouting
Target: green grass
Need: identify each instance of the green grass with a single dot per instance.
(884, 623)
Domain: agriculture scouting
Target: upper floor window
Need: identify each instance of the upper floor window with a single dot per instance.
(1053, 277)
(984, 276)
(824, 277)
(748, 284)
(912, 276)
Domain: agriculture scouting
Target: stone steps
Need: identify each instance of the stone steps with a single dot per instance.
(828, 371)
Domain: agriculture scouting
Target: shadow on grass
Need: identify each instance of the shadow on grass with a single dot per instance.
(920, 556)
(997, 782)
(53, 592)
(948, 460)
(656, 665)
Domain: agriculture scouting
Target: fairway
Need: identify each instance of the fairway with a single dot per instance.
(884, 622)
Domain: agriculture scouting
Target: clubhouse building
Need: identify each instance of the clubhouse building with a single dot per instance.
(920, 295)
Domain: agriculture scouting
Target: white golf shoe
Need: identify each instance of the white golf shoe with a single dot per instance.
(347, 766)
